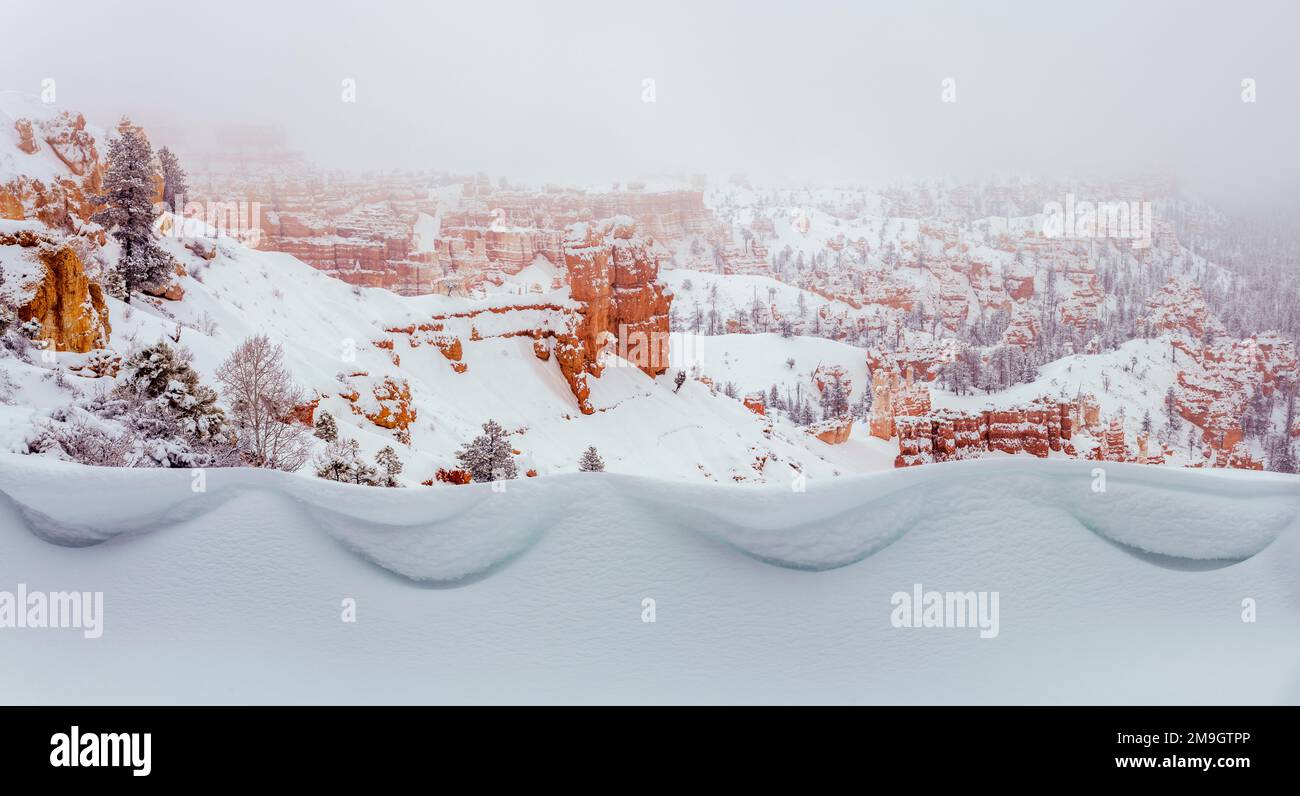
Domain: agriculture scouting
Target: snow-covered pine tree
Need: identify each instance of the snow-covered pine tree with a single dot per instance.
(364, 473)
(1171, 409)
(590, 462)
(862, 409)
(834, 403)
(326, 427)
(128, 211)
(174, 185)
(339, 460)
(679, 380)
(164, 376)
(390, 465)
(487, 456)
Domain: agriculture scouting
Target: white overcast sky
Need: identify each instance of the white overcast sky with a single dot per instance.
(809, 90)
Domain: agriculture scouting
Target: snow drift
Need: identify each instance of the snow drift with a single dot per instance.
(234, 594)
(445, 535)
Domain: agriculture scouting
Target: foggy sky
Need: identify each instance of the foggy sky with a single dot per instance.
(831, 92)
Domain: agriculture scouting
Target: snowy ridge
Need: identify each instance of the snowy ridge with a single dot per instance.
(445, 536)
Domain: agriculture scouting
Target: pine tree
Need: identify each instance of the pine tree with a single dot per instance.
(487, 456)
(128, 196)
(591, 461)
(341, 461)
(326, 427)
(164, 377)
(679, 380)
(336, 463)
(390, 464)
(835, 403)
(174, 185)
(1171, 409)
(862, 409)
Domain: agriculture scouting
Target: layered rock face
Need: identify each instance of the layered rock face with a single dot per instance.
(613, 272)
(615, 305)
(832, 431)
(409, 234)
(1180, 306)
(358, 228)
(46, 281)
(949, 434)
(1217, 375)
(892, 397)
(59, 197)
(1216, 382)
(925, 360)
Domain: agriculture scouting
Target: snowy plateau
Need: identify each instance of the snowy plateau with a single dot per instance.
(1122, 501)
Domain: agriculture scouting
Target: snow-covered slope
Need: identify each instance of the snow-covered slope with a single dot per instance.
(329, 328)
(1129, 595)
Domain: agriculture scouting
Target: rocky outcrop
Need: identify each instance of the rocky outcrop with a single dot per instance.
(46, 282)
(1043, 426)
(921, 355)
(823, 376)
(892, 397)
(1216, 382)
(26, 137)
(616, 305)
(62, 202)
(1179, 307)
(384, 401)
(1022, 331)
(832, 431)
(613, 273)
(388, 229)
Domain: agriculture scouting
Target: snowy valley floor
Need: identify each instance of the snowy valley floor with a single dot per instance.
(535, 594)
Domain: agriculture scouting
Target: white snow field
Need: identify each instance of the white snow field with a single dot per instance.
(762, 594)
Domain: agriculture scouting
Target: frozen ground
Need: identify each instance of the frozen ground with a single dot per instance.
(762, 594)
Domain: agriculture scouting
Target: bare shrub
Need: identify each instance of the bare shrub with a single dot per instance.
(262, 396)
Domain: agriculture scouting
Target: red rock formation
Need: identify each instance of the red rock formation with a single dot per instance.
(617, 306)
(756, 403)
(305, 413)
(1180, 307)
(363, 229)
(63, 203)
(824, 375)
(1022, 331)
(26, 138)
(58, 294)
(614, 273)
(952, 434)
(892, 398)
(445, 476)
(924, 357)
(1216, 382)
(387, 406)
(833, 431)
